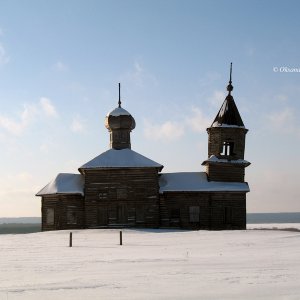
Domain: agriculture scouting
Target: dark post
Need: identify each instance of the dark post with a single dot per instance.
(70, 244)
(121, 240)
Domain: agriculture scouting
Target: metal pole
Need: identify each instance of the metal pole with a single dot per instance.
(121, 239)
(70, 244)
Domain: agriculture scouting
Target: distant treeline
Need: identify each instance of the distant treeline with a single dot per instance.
(25, 220)
(19, 228)
(267, 218)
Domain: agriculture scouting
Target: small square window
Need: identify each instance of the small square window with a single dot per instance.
(121, 193)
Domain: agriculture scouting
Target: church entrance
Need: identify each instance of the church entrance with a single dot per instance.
(122, 213)
(102, 216)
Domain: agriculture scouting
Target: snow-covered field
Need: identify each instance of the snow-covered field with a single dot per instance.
(152, 264)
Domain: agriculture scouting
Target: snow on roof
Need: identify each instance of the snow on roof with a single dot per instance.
(124, 158)
(215, 159)
(64, 183)
(197, 182)
(119, 111)
(228, 114)
(217, 124)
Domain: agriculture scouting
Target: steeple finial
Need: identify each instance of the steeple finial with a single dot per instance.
(229, 86)
(119, 102)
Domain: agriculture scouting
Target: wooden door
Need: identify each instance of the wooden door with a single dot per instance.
(102, 216)
(122, 213)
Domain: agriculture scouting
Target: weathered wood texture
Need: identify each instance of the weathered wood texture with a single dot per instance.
(218, 135)
(227, 173)
(62, 212)
(198, 210)
(122, 198)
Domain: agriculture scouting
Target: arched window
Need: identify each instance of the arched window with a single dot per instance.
(227, 148)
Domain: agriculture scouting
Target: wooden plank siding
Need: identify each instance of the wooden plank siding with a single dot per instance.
(64, 207)
(217, 211)
(218, 135)
(226, 173)
(127, 197)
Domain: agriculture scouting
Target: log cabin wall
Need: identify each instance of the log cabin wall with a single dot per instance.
(201, 210)
(218, 135)
(127, 197)
(62, 212)
(226, 173)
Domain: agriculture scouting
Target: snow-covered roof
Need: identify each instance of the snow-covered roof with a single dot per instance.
(124, 158)
(217, 124)
(215, 159)
(119, 111)
(64, 183)
(197, 182)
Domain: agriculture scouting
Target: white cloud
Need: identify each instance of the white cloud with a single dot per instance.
(17, 127)
(217, 98)
(208, 79)
(283, 118)
(198, 121)
(250, 51)
(47, 107)
(4, 59)
(29, 114)
(77, 125)
(60, 66)
(139, 76)
(167, 131)
(284, 121)
(171, 130)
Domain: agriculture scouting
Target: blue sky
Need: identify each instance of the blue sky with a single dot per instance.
(61, 61)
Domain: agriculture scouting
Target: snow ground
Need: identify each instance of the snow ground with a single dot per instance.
(152, 264)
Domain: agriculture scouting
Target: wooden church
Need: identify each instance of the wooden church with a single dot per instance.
(122, 188)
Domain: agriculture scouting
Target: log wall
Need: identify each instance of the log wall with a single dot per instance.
(122, 198)
(226, 173)
(68, 212)
(217, 211)
(218, 135)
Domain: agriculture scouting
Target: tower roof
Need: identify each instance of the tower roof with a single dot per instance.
(228, 115)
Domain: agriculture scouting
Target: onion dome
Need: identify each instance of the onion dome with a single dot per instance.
(119, 118)
(119, 123)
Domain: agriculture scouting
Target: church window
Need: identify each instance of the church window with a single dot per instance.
(140, 214)
(50, 216)
(121, 193)
(102, 195)
(175, 213)
(227, 215)
(194, 214)
(71, 215)
(227, 148)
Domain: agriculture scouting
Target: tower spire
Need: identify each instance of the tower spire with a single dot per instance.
(119, 102)
(229, 86)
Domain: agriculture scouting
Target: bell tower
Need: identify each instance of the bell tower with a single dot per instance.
(119, 123)
(226, 143)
